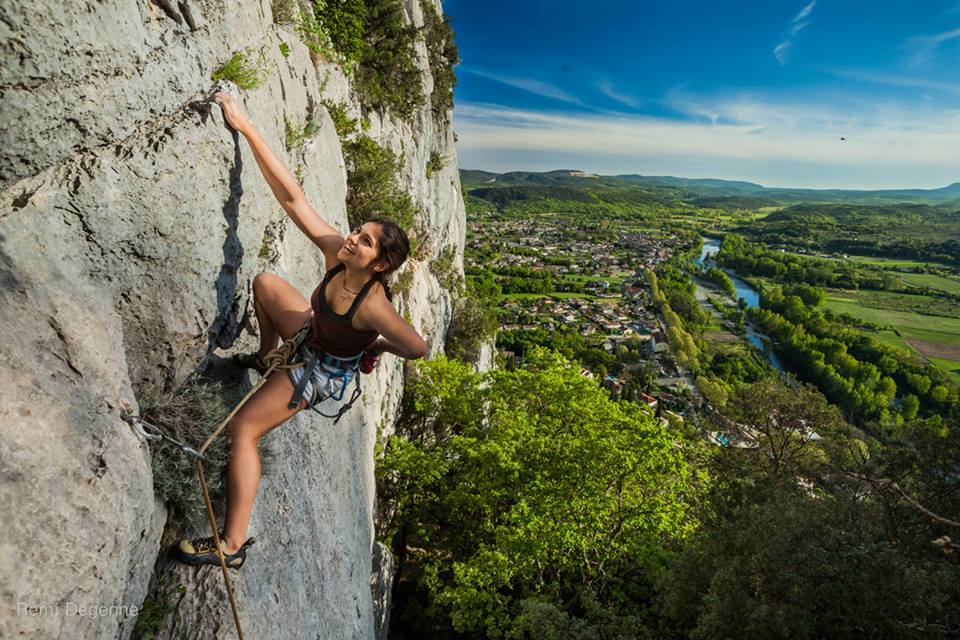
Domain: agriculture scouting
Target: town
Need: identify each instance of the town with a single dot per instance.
(561, 275)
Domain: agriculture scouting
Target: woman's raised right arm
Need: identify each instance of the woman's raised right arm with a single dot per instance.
(284, 187)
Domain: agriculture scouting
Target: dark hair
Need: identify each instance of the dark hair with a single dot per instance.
(394, 247)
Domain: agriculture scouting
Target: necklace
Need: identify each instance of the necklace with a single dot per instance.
(346, 293)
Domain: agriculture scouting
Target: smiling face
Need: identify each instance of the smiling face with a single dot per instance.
(361, 249)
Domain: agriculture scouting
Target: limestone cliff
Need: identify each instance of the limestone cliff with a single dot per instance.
(132, 222)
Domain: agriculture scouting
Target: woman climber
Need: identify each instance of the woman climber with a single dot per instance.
(349, 315)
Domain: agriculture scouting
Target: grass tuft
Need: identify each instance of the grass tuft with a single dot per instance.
(244, 70)
(297, 136)
(155, 607)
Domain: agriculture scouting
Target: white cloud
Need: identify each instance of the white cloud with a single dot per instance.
(780, 51)
(895, 80)
(526, 84)
(607, 89)
(805, 11)
(925, 47)
(798, 24)
(776, 143)
(761, 112)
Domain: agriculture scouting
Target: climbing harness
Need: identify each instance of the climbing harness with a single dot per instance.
(286, 356)
(330, 377)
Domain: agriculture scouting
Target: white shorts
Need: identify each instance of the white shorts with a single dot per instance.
(327, 380)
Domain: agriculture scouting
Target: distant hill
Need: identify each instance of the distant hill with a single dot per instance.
(524, 178)
(726, 186)
(921, 231)
(474, 176)
(705, 192)
(735, 202)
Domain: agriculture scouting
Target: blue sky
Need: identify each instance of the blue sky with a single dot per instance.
(759, 91)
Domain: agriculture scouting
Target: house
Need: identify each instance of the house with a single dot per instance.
(647, 400)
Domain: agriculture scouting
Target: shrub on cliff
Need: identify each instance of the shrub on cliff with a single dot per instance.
(472, 324)
(388, 77)
(443, 55)
(370, 39)
(244, 69)
(189, 414)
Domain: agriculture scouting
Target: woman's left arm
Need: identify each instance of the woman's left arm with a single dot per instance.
(397, 336)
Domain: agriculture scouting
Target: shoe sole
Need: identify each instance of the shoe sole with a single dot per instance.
(213, 562)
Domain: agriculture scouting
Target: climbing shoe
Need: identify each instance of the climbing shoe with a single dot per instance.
(251, 361)
(202, 551)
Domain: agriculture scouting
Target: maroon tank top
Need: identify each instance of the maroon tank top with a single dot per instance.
(332, 332)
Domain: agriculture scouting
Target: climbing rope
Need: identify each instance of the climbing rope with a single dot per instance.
(279, 358)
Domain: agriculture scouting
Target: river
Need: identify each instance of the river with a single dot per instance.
(711, 246)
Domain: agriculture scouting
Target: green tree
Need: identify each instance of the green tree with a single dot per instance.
(472, 323)
(388, 76)
(787, 565)
(909, 407)
(713, 390)
(544, 498)
(344, 22)
(785, 421)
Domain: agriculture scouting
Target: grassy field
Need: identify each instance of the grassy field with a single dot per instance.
(571, 294)
(926, 305)
(902, 325)
(813, 256)
(581, 279)
(950, 366)
(555, 294)
(950, 285)
(909, 324)
(893, 263)
(524, 296)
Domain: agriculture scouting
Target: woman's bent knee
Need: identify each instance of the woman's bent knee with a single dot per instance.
(262, 281)
(242, 433)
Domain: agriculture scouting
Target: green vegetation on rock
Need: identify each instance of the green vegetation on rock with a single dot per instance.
(443, 55)
(371, 40)
(434, 164)
(342, 123)
(244, 69)
(296, 136)
(162, 600)
(189, 414)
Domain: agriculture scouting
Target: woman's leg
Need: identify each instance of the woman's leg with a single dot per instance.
(281, 310)
(264, 411)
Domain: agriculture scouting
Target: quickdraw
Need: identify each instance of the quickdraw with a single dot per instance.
(153, 432)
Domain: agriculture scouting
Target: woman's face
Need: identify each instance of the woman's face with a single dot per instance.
(361, 248)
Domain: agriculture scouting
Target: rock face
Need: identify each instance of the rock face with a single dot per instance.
(381, 585)
(132, 222)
